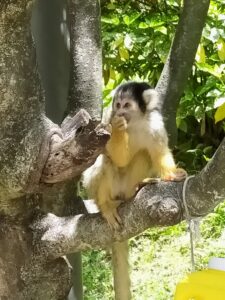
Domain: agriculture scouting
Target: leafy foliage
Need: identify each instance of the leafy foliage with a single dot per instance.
(136, 40)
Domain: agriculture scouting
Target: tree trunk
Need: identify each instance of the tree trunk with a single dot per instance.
(180, 60)
(27, 138)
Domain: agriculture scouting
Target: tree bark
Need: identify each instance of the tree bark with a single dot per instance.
(155, 205)
(21, 105)
(179, 63)
(86, 58)
(27, 138)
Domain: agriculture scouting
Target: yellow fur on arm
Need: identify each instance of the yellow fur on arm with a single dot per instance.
(118, 148)
(163, 162)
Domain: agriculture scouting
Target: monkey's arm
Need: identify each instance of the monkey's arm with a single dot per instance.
(118, 146)
(164, 165)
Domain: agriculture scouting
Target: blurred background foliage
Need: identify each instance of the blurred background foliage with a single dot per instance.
(136, 36)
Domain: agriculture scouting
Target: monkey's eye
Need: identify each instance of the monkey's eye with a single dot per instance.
(127, 105)
(117, 105)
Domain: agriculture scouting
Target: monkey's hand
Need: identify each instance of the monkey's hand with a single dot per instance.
(178, 175)
(119, 123)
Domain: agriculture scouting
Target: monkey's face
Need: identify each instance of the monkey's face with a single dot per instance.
(127, 108)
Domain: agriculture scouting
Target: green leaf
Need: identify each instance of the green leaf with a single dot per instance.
(200, 55)
(209, 69)
(126, 20)
(124, 54)
(210, 83)
(112, 74)
(219, 101)
(181, 124)
(221, 49)
(155, 21)
(111, 6)
(161, 29)
(113, 20)
(143, 25)
(220, 113)
(118, 41)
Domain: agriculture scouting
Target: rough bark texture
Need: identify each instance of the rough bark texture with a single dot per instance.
(74, 148)
(180, 60)
(26, 140)
(86, 57)
(21, 128)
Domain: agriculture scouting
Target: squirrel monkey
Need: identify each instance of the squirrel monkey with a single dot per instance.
(137, 151)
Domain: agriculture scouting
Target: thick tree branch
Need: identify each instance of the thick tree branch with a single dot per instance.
(180, 60)
(86, 57)
(68, 150)
(75, 150)
(155, 205)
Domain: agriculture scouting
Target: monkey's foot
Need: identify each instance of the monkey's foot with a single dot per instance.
(113, 219)
(178, 175)
(119, 123)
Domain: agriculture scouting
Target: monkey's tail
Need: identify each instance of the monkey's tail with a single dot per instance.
(120, 253)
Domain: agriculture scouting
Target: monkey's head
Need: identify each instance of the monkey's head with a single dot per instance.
(132, 99)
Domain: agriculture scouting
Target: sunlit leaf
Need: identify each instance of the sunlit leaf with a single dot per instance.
(209, 69)
(143, 25)
(124, 54)
(200, 55)
(113, 20)
(219, 101)
(118, 41)
(221, 49)
(220, 113)
(155, 21)
(112, 74)
(128, 42)
(126, 20)
(161, 29)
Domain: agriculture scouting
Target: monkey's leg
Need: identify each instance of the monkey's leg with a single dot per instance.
(121, 275)
(107, 206)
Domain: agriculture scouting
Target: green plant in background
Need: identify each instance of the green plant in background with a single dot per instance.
(136, 39)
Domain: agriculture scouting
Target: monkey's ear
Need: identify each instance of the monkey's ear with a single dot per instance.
(151, 98)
